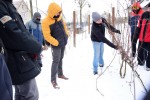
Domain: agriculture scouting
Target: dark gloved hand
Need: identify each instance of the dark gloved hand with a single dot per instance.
(116, 47)
(33, 56)
(40, 64)
(118, 31)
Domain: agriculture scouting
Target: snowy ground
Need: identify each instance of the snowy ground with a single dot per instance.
(82, 83)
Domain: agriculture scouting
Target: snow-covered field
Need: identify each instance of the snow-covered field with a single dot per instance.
(77, 65)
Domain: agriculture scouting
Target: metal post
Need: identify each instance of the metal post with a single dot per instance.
(89, 24)
(74, 28)
(109, 21)
(113, 16)
(36, 6)
(113, 20)
(31, 8)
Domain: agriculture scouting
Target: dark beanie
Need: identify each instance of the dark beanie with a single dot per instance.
(36, 14)
(96, 16)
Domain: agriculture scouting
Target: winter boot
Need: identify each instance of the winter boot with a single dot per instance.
(101, 65)
(147, 69)
(63, 77)
(95, 72)
(55, 85)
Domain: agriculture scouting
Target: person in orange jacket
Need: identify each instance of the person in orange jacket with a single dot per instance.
(55, 32)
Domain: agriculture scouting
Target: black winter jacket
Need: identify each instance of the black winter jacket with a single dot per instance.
(59, 33)
(98, 32)
(5, 79)
(19, 43)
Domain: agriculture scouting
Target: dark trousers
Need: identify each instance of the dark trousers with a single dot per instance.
(39, 59)
(27, 91)
(147, 96)
(5, 81)
(133, 42)
(144, 53)
(57, 54)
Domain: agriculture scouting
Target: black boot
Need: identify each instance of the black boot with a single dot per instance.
(95, 72)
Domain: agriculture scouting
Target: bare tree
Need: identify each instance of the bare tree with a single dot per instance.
(124, 49)
(31, 8)
(82, 4)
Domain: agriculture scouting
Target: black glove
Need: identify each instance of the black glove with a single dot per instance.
(33, 56)
(116, 47)
(40, 64)
(118, 31)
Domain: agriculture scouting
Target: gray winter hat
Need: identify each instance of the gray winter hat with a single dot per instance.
(96, 16)
(36, 14)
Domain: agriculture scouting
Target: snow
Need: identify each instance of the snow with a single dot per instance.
(77, 66)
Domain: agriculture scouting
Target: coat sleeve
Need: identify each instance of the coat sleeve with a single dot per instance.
(47, 33)
(14, 38)
(105, 40)
(138, 28)
(27, 26)
(109, 26)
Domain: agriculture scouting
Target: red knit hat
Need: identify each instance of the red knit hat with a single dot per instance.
(136, 6)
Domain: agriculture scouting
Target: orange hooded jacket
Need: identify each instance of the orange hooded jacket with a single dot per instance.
(53, 9)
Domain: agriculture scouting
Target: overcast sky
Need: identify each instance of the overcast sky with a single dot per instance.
(69, 6)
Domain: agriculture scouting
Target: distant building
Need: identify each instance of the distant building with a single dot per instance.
(23, 10)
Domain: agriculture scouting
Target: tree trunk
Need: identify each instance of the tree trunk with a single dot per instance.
(31, 8)
(80, 16)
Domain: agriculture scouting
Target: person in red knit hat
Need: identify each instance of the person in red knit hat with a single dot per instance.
(137, 11)
(143, 32)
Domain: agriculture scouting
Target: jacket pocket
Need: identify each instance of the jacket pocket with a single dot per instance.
(24, 62)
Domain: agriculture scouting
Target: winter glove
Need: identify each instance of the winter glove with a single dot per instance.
(33, 56)
(40, 64)
(116, 47)
(118, 31)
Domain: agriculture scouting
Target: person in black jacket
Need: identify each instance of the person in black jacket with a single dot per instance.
(98, 38)
(6, 92)
(143, 34)
(22, 49)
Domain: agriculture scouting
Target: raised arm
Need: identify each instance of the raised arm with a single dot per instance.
(110, 27)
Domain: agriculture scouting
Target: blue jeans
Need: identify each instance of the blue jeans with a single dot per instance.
(98, 54)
